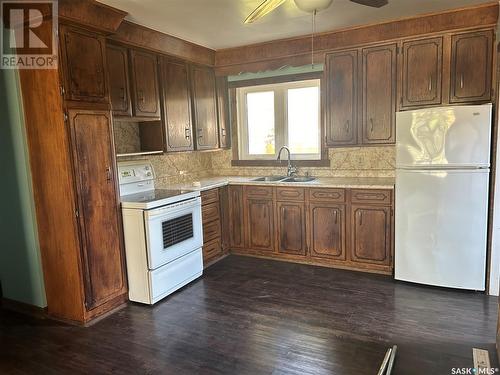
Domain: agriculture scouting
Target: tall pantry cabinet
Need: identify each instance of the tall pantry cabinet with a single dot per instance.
(69, 127)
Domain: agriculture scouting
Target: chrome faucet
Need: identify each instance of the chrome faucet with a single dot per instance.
(291, 168)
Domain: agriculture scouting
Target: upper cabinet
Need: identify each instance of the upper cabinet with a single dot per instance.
(422, 72)
(361, 96)
(342, 98)
(223, 111)
(176, 98)
(117, 63)
(83, 55)
(378, 109)
(471, 63)
(205, 107)
(144, 77)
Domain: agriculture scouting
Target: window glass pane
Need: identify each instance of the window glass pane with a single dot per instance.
(260, 112)
(303, 113)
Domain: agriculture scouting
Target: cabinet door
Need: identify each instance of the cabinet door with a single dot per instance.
(259, 224)
(144, 75)
(327, 230)
(342, 98)
(117, 67)
(84, 61)
(471, 63)
(371, 234)
(177, 106)
(378, 117)
(99, 209)
(422, 69)
(236, 222)
(223, 111)
(205, 108)
(291, 228)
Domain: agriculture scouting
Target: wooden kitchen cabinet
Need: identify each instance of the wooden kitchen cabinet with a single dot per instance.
(379, 91)
(291, 228)
(99, 214)
(145, 90)
(84, 59)
(371, 234)
(341, 98)
(471, 67)
(236, 217)
(259, 224)
(212, 226)
(204, 97)
(119, 87)
(223, 112)
(422, 72)
(176, 96)
(328, 230)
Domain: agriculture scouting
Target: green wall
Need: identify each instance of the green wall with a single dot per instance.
(21, 275)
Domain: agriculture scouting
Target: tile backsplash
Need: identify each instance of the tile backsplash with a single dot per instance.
(184, 167)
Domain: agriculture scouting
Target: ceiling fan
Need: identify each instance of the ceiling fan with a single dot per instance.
(309, 6)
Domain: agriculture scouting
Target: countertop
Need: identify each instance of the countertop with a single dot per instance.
(330, 182)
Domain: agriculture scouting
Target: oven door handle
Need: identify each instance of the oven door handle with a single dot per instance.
(174, 208)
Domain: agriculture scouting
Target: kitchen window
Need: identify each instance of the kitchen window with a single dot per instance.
(280, 114)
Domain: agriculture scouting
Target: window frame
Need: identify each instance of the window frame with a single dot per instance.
(259, 86)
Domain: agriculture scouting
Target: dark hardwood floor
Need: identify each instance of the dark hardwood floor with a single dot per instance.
(254, 316)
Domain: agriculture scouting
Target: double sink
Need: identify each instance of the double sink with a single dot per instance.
(283, 179)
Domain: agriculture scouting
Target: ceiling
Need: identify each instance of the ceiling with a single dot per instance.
(219, 23)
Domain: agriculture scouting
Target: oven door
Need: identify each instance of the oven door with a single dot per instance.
(173, 231)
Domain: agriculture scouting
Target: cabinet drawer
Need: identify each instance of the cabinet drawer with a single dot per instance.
(209, 196)
(259, 192)
(290, 194)
(210, 212)
(371, 196)
(327, 195)
(212, 250)
(211, 231)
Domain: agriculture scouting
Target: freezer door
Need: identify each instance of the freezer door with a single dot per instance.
(441, 225)
(444, 137)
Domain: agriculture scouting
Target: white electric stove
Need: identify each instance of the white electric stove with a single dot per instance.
(163, 234)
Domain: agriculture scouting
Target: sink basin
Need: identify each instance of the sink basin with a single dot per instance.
(269, 178)
(299, 179)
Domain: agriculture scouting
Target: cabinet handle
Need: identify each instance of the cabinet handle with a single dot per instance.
(200, 133)
(108, 174)
(223, 132)
(141, 96)
(371, 125)
(430, 83)
(360, 218)
(462, 81)
(186, 133)
(122, 93)
(347, 126)
(335, 216)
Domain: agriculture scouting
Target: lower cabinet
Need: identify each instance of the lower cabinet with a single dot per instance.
(371, 234)
(259, 224)
(328, 231)
(212, 226)
(99, 214)
(345, 228)
(291, 231)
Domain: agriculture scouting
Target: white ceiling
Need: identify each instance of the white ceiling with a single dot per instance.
(219, 23)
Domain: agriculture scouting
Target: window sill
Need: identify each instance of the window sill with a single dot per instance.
(283, 163)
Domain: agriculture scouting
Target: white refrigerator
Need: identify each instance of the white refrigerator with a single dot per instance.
(442, 179)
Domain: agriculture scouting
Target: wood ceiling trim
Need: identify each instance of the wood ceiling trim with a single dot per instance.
(91, 14)
(140, 36)
(256, 56)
